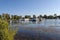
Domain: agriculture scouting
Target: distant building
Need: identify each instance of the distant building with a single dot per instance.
(26, 19)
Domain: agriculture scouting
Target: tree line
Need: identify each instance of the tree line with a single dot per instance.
(16, 17)
(8, 17)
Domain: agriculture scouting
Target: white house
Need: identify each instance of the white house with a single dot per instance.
(26, 19)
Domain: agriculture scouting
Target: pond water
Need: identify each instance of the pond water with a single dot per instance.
(48, 29)
(49, 22)
(46, 22)
(43, 23)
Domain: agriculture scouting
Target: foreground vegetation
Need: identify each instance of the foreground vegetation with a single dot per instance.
(5, 33)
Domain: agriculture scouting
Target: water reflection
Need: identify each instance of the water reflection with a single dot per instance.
(48, 29)
(47, 22)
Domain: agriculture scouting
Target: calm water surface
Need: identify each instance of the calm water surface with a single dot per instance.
(48, 29)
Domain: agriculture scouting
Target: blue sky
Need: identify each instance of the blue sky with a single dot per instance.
(30, 7)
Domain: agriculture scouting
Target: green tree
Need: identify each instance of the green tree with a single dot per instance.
(55, 16)
(27, 16)
(6, 17)
(34, 16)
(58, 16)
(15, 17)
(50, 17)
(39, 17)
(0, 16)
(45, 16)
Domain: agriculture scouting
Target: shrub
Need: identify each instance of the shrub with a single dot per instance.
(5, 34)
